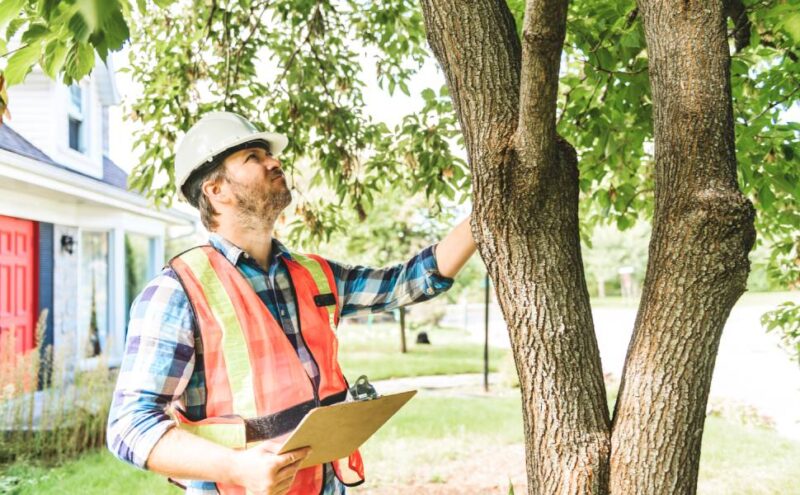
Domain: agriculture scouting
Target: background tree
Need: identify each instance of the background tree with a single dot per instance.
(654, 130)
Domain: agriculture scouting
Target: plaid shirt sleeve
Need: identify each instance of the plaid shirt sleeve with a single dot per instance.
(364, 290)
(156, 367)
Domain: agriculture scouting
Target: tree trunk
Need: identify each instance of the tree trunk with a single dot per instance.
(525, 222)
(697, 266)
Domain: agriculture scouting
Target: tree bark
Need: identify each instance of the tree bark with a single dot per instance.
(525, 222)
(697, 266)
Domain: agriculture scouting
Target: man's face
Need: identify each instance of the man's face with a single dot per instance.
(258, 184)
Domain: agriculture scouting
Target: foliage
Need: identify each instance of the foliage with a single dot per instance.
(298, 66)
(786, 318)
(610, 250)
(62, 37)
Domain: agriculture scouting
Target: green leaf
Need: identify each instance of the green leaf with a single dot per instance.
(55, 53)
(9, 9)
(34, 32)
(47, 7)
(428, 94)
(116, 30)
(77, 24)
(791, 24)
(80, 61)
(21, 62)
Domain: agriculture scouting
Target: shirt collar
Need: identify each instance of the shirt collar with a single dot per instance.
(233, 252)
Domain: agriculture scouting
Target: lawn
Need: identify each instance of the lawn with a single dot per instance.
(456, 441)
(375, 351)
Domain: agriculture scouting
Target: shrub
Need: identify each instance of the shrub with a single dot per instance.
(50, 410)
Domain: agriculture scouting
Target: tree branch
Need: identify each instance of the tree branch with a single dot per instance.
(542, 42)
(741, 32)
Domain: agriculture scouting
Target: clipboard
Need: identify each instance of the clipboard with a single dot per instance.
(336, 431)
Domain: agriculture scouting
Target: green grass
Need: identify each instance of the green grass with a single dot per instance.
(436, 430)
(95, 473)
(375, 351)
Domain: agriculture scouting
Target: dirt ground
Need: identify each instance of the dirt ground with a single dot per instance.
(488, 470)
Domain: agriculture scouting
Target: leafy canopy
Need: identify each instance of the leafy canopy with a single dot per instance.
(297, 64)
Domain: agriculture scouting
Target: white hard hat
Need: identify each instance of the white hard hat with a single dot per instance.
(214, 134)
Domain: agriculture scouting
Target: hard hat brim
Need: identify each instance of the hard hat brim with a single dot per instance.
(277, 143)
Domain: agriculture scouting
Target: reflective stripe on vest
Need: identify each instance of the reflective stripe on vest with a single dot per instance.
(251, 369)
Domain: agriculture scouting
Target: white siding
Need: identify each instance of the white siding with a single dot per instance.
(39, 111)
(33, 110)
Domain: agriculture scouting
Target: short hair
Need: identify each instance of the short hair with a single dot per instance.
(200, 200)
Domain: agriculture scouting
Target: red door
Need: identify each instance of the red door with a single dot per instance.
(18, 283)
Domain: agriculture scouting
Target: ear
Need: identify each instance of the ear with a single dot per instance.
(216, 190)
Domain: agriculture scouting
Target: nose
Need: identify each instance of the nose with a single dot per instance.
(272, 162)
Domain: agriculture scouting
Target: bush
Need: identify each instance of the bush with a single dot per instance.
(48, 410)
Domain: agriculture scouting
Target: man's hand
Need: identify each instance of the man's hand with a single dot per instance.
(262, 472)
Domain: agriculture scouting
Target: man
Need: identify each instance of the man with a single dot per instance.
(239, 333)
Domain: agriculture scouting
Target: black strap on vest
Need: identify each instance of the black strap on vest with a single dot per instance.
(274, 425)
(325, 299)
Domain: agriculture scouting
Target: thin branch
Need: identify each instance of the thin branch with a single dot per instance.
(775, 104)
(299, 46)
(246, 41)
(566, 99)
(614, 72)
(10, 52)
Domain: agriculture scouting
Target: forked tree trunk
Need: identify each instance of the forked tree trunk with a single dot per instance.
(525, 194)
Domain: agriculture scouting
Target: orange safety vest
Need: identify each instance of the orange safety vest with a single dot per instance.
(251, 368)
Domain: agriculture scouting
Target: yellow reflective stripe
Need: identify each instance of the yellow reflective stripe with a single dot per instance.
(323, 286)
(234, 346)
(229, 435)
(316, 271)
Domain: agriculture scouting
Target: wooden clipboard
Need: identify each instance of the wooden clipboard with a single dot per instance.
(336, 431)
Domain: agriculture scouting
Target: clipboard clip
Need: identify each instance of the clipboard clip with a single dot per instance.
(363, 389)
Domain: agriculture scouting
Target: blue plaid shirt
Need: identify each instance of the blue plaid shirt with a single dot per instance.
(163, 358)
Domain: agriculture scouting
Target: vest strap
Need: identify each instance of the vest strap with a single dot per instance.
(326, 297)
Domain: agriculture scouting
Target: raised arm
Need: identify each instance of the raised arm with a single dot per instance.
(364, 289)
(455, 249)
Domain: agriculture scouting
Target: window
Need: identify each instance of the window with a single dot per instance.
(77, 125)
(93, 294)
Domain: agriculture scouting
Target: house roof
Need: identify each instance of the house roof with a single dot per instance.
(11, 140)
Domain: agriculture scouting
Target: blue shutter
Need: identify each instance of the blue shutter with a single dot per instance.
(46, 255)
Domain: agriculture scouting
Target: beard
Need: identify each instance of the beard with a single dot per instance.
(258, 206)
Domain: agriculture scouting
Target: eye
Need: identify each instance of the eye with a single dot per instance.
(252, 155)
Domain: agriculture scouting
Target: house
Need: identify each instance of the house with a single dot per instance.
(73, 239)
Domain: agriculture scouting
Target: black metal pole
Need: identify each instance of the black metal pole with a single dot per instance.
(486, 334)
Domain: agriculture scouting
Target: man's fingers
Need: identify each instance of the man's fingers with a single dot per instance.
(289, 470)
(292, 457)
(284, 484)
